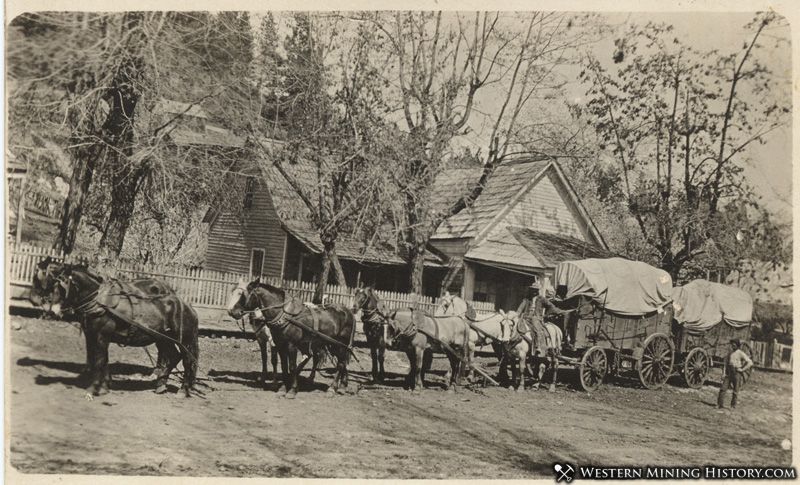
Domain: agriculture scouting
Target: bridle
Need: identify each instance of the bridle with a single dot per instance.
(258, 313)
(506, 318)
(86, 305)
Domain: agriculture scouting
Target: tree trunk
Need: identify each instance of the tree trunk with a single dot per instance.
(126, 184)
(417, 267)
(322, 281)
(329, 260)
(72, 210)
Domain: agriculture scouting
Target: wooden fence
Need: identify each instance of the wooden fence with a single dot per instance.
(772, 355)
(203, 288)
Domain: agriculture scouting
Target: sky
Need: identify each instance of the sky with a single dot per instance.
(770, 172)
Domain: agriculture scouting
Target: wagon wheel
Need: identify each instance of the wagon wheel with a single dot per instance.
(655, 364)
(746, 349)
(695, 368)
(593, 368)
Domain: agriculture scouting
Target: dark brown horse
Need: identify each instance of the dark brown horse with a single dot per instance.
(373, 317)
(329, 329)
(138, 314)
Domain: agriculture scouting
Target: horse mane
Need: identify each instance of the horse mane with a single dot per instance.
(84, 268)
(273, 289)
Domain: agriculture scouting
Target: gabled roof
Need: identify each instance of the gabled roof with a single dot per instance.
(551, 249)
(295, 216)
(505, 183)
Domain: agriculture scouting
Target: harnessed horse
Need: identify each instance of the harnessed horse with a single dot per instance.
(373, 317)
(138, 314)
(419, 334)
(498, 330)
(295, 326)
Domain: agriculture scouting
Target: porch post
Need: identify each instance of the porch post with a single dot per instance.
(468, 288)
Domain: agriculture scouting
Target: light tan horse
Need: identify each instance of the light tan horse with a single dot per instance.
(419, 334)
(498, 330)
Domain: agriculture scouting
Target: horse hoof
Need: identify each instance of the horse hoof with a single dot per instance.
(330, 393)
(161, 389)
(100, 392)
(186, 394)
(552, 388)
(517, 390)
(291, 395)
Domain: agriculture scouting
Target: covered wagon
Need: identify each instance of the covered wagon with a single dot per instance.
(619, 321)
(707, 316)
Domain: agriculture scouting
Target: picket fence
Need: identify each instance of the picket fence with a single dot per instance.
(772, 355)
(203, 288)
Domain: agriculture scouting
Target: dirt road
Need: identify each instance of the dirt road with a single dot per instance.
(238, 429)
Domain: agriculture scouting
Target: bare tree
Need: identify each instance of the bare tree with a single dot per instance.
(440, 65)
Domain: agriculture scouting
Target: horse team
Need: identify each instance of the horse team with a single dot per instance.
(143, 312)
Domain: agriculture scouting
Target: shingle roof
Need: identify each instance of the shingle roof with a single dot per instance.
(507, 180)
(533, 249)
(503, 248)
(295, 216)
(551, 249)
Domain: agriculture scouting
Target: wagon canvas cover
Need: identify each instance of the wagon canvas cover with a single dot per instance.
(616, 284)
(700, 305)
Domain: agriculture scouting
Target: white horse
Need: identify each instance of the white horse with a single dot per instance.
(497, 330)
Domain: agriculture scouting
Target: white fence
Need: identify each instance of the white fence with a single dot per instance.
(207, 289)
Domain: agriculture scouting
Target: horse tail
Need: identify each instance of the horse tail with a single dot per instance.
(191, 342)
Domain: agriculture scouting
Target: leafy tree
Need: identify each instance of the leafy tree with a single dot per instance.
(677, 122)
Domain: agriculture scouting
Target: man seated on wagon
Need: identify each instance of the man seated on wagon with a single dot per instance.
(532, 311)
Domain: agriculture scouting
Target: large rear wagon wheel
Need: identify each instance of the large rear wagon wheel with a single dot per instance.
(655, 364)
(593, 368)
(695, 368)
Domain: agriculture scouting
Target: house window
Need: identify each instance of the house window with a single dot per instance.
(485, 291)
(256, 262)
(249, 188)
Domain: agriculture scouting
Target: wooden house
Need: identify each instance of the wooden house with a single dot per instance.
(527, 219)
(265, 229)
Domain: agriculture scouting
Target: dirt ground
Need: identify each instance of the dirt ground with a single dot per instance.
(238, 429)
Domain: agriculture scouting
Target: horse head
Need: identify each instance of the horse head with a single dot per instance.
(74, 286)
(446, 305)
(256, 297)
(44, 280)
(237, 300)
(508, 325)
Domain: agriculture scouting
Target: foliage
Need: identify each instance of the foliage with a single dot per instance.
(677, 121)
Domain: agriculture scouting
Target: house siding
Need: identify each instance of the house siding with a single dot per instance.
(231, 240)
(544, 208)
(452, 248)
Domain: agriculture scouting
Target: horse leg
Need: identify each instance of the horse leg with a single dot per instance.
(381, 354)
(262, 346)
(91, 343)
(291, 385)
(554, 365)
(284, 355)
(314, 364)
(373, 353)
(409, 384)
(189, 359)
(419, 357)
(427, 360)
(274, 359)
(101, 373)
(162, 360)
(520, 358)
